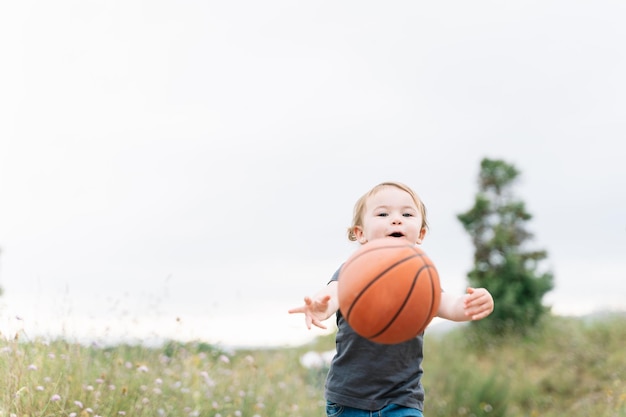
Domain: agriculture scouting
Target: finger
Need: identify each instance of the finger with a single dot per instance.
(474, 301)
(472, 295)
(481, 311)
(481, 315)
(473, 313)
(478, 305)
(475, 304)
(477, 299)
(319, 324)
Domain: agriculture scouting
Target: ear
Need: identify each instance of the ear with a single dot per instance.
(358, 233)
(421, 236)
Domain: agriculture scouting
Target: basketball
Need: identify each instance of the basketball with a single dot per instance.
(389, 290)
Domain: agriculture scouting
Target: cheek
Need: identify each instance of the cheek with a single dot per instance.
(375, 230)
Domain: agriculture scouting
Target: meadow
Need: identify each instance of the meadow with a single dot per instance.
(568, 367)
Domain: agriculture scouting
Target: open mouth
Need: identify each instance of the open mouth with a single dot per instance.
(396, 234)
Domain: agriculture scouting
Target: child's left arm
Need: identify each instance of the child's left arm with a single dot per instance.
(475, 305)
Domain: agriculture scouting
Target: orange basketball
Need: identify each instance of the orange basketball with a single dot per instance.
(389, 290)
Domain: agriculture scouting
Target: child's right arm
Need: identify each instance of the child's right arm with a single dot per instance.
(321, 306)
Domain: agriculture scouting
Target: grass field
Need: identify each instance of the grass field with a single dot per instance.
(569, 367)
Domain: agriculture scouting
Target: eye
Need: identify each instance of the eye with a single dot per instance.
(408, 214)
(383, 214)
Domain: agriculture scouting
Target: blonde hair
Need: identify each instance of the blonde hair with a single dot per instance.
(359, 207)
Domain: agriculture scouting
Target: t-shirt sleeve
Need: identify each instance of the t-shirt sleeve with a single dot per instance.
(335, 276)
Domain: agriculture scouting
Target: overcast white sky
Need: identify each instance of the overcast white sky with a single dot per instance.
(188, 169)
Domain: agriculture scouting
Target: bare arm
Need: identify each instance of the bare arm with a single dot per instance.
(475, 305)
(320, 307)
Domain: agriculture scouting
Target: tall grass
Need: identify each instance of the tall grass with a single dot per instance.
(194, 379)
(568, 367)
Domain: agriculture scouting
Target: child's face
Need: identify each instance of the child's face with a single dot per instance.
(391, 212)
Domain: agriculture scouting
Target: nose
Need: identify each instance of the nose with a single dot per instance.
(396, 219)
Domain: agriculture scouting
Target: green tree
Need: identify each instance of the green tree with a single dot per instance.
(502, 262)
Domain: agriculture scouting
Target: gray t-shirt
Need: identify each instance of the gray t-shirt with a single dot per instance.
(369, 375)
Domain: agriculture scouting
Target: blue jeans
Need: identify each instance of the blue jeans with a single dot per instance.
(392, 410)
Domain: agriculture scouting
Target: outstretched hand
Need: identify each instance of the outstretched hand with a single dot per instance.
(314, 311)
(478, 303)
